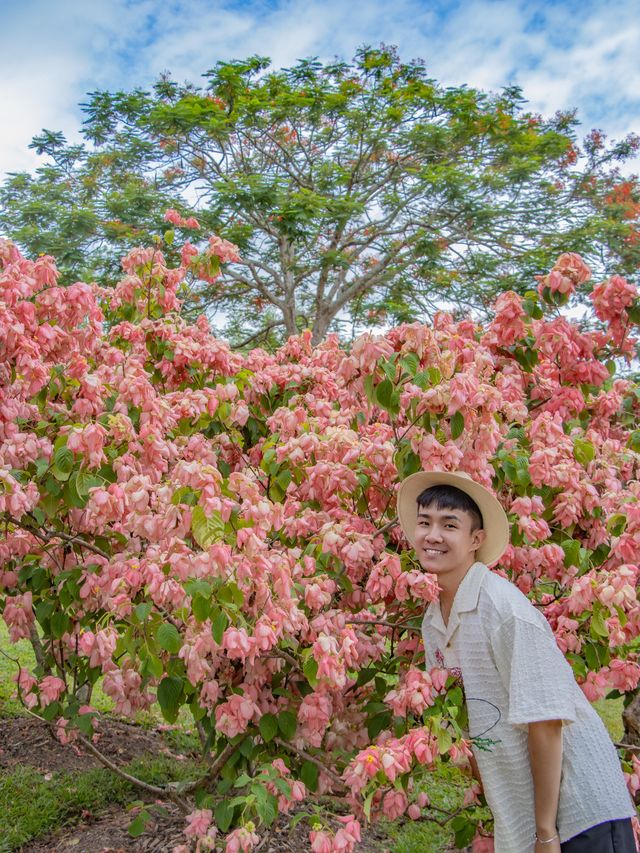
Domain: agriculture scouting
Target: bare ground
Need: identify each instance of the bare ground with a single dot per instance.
(26, 741)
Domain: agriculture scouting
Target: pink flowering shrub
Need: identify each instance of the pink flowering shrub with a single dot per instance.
(215, 532)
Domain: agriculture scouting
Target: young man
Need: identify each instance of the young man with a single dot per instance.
(549, 771)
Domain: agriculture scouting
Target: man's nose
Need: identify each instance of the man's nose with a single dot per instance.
(434, 534)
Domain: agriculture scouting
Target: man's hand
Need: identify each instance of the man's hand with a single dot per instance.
(552, 847)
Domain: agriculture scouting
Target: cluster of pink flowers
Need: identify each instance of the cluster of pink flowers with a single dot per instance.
(224, 522)
(568, 272)
(416, 691)
(343, 840)
(175, 218)
(611, 300)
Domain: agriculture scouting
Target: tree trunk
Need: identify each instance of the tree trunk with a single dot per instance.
(631, 719)
(321, 324)
(289, 317)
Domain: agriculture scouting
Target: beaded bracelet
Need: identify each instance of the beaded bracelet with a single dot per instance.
(546, 840)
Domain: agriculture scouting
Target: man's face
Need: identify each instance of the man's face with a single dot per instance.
(444, 540)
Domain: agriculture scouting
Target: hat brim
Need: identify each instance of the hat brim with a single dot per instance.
(494, 518)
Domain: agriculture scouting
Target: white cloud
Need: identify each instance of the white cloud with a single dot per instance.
(563, 54)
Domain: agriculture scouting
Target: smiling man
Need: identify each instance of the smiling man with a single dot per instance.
(549, 771)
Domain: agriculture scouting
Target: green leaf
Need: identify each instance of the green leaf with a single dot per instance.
(223, 815)
(206, 530)
(246, 748)
(579, 666)
(62, 465)
(52, 711)
(198, 587)
(44, 609)
(219, 624)
(457, 425)
(369, 387)
(42, 465)
(389, 368)
(597, 626)
(184, 495)
(367, 804)
(169, 694)
(50, 504)
(284, 478)
(70, 492)
(583, 451)
(143, 610)
(444, 740)
(634, 440)
(266, 804)
(410, 362)
(378, 723)
(200, 607)
(86, 481)
(616, 524)
(151, 666)
(309, 773)
(422, 379)
(384, 392)
(634, 312)
(84, 723)
(60, 623)
(287, 724)
(590, 653)
(365, 676)
(571, 548)
(169, 638)
(138, 824)
(230, 593)
(310, 670)
(523, 478)
(464, 834)
(268, 726)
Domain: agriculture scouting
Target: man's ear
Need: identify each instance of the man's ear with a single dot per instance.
(477, 538)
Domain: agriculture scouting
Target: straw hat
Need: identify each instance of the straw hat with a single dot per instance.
(494, 518)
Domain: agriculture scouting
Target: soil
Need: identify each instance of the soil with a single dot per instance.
(27, 741)
(109, 834)
(24, 740)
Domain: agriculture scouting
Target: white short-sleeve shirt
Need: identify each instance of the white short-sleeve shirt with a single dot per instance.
(514, 674)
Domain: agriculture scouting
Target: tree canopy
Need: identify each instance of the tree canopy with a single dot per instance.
(357, 192)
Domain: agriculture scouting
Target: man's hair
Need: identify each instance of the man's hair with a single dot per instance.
(450, 497)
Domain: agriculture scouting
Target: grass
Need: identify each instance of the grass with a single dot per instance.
(610, 711)
(32, 806)
(21, 651)
(446, 789)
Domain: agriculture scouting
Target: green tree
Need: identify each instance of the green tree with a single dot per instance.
(356, 192)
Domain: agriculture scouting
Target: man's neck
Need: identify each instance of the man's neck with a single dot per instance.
(448, 588)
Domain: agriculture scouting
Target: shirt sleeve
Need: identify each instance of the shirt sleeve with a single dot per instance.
(534, 672)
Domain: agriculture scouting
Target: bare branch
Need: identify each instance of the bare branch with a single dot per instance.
(260, 333)
(301, 753)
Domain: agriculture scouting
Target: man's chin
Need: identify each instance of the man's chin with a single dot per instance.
(431, 564)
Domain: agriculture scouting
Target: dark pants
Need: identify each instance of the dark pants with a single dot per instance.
(614, 836)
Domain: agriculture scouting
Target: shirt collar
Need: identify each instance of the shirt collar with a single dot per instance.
(465, 599)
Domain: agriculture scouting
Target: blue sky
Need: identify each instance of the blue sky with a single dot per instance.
(564, 54)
